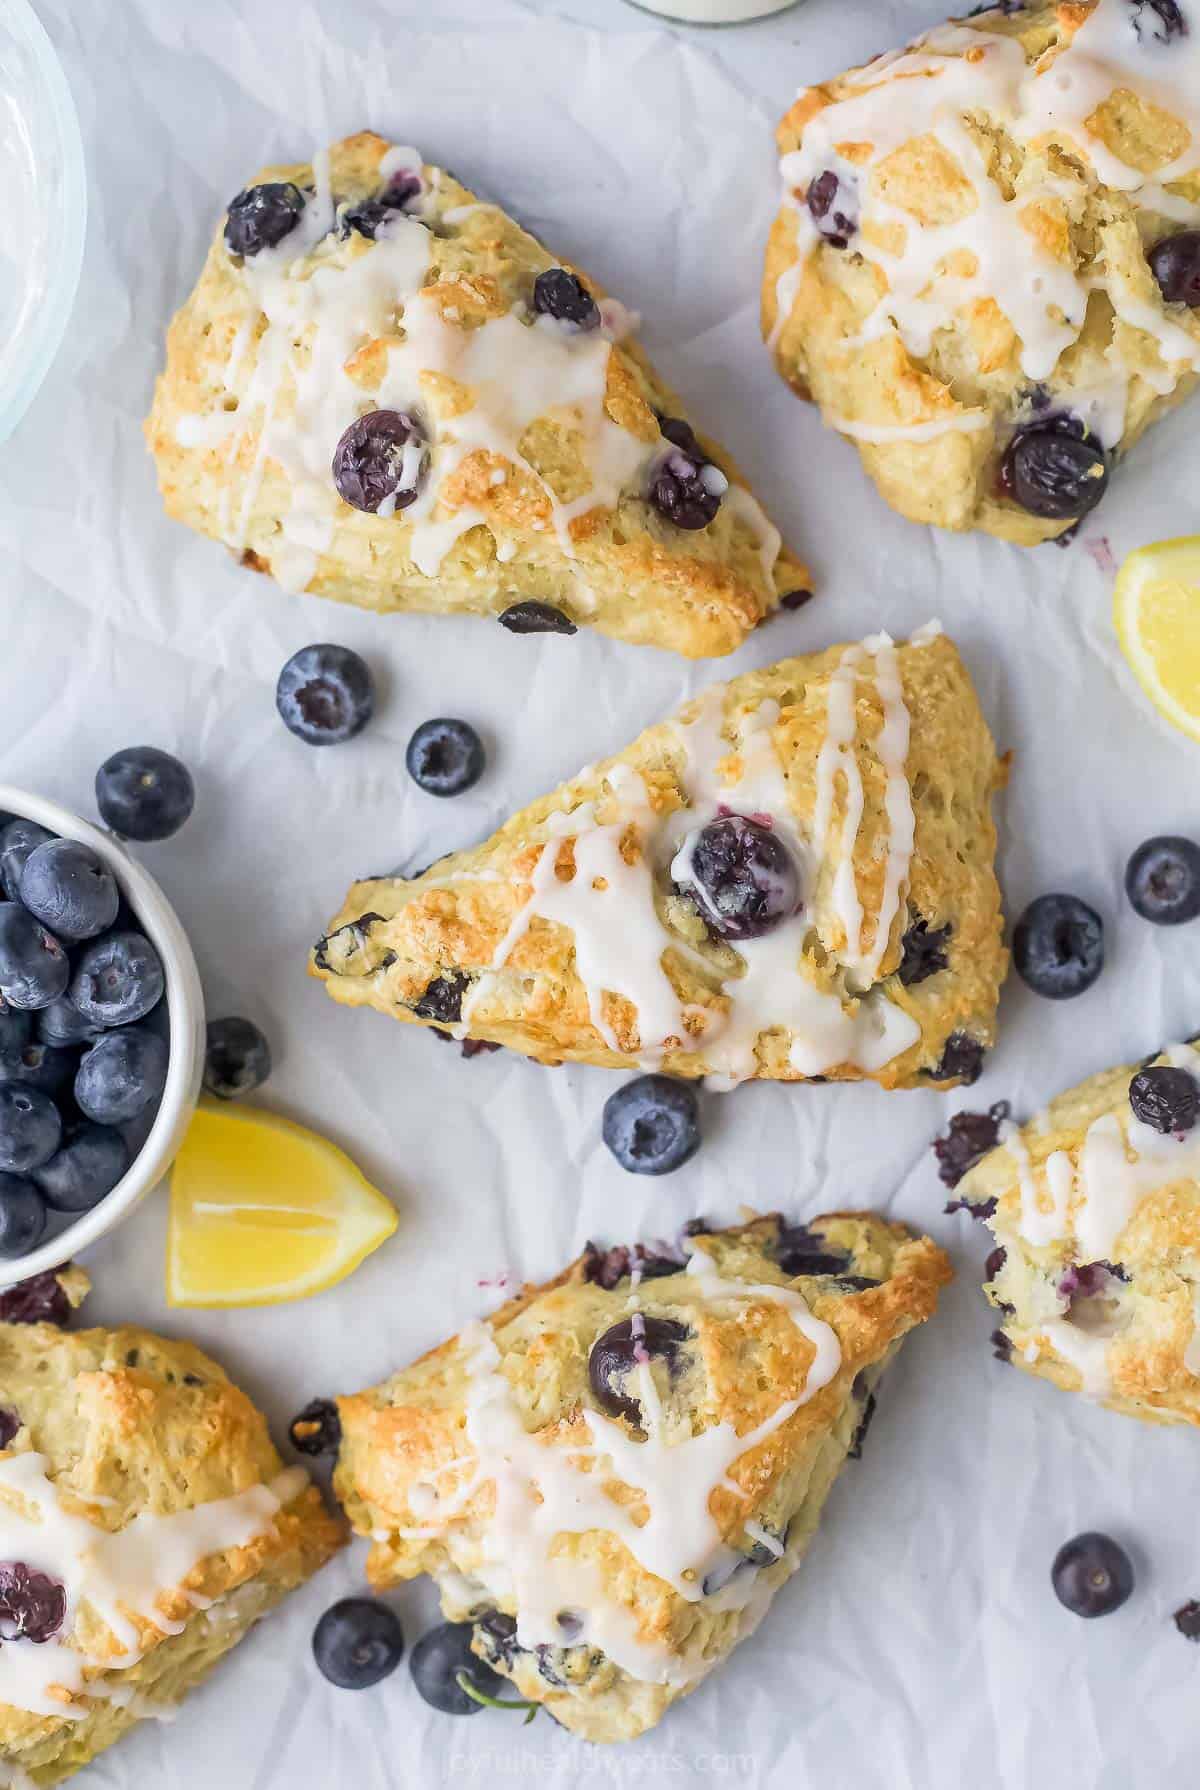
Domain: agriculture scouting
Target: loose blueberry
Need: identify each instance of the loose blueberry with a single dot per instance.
(1054, 470)
(16, 1029)
(967, 1141)
(1058, 946)
(19, 840)
(686, 488)
(261, 216)
(615, 1355)
(536, 618)
(1162, 880)
(1175, 264)
(1166, 1099)
(22, 1221)
(380, 460)
(30, 1128)
(833, 209)
(1187, 1620)
(1001, 1346)
(47, 1067)
(652, 1125)
(445, 757)
(795, 599)
(961, 1060)
(121, 1075)
(557, 293)
(33, 1606)
(10, 1423)
(317, 1429)
(369, 216)
(118, 979)
(144, 794)
(358, 1642)
(61, 1024)
(995, 1261)
(39, 1300)
(1092, 1575)
(69, 889)
(742, 876)
(923, 953)
(87, 1166)
(237, 1058)
(34, 969)
(325, 695)
(440, 1659)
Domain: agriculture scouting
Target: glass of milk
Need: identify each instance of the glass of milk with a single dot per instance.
(714, 12)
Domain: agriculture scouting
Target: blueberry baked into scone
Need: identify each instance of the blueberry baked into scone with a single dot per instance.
(146, 1523)
(1095, 1206)
(986, 267)
(384, 390)
(791, 879)
(613, 1475)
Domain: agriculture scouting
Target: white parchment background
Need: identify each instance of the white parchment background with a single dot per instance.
(920, 1646)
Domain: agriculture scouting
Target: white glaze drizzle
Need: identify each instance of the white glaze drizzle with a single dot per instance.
(1038, 1224)
(609, 905)
(517, 368)
(928, 91)
(119, 1576)
(544, 1490)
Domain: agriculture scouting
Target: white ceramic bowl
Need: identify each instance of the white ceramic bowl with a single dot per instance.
(185, 1010)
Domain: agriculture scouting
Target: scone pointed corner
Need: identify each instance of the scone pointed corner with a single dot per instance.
(747, 1385)
(792, 879)
(385, 391)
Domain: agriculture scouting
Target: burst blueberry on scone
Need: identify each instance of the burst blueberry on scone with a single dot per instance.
(791, 879)
(986, 268)
(383, 390)
(613, 1475)
(146, 1523)
(1095, 1206)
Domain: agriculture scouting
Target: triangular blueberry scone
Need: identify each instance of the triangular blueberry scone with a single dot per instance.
(384, 390)
(791, 879)
(612, 1476)
(146, 1524)
(1095, 1206)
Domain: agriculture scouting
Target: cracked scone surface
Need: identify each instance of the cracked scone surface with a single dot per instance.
(540, 440)
(145, 1440)
(568, 935)
(1098, 1217)
(979, 265)
(610, 1562)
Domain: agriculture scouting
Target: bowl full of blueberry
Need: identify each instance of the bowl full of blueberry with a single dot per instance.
(102, 1037)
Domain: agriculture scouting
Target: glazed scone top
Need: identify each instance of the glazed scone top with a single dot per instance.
(1000, 181)
(144, 1484)
(1098, 1215)
(490, 1464)
(518, 423)
(824, 754)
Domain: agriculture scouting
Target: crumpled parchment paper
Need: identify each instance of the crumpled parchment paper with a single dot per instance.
(920, 1645)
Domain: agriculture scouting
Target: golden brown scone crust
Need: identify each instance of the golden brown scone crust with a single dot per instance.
(130, 1423)
(743, 1358)
(1138, 1326)
(812, 316)
(632, 574)
(394, 940)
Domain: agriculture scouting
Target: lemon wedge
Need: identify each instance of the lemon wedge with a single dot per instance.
(263, 1211)
(1157, 612)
